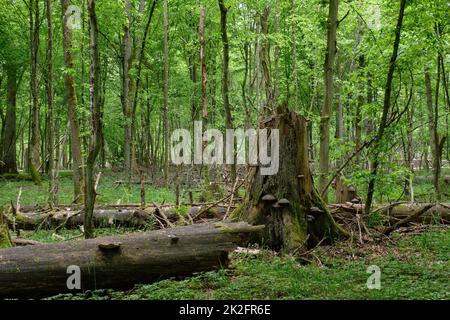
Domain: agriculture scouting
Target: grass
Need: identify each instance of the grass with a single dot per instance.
(413, 267)
(109, 192)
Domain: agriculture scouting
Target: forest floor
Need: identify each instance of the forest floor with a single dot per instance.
(413, 265)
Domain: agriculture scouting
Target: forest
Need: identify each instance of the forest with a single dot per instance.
(224, 149)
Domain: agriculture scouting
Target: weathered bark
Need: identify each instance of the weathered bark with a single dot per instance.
(8, 162)
(95, 123)
(305, 220)
(121, 261)
(75, 143)
(324, 161)
(386, 108)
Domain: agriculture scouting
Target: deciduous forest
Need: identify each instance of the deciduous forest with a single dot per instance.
(224, 149)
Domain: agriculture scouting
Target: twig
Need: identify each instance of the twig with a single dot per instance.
(359, 228)
(163, 215)
(97, 180)
(231, 199)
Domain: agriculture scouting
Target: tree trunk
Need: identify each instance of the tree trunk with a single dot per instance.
(432, 129)
(294, 54)
(225, 75)
(75, 143)
(34, 146)
(166, 91)
(386, 108)
(324, 161)
(96, 121)
(118, 262)
(8, 163)
(50, 117)
(305, 220)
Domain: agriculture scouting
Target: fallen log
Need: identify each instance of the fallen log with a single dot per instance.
(73, 219)
(133, 216)
(118, 262)
(406, 220)
(438, 212)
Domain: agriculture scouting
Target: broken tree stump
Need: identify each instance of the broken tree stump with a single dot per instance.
(287, 202)
(119, 262)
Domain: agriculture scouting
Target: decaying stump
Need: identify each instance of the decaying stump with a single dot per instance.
(287, 202)
(118, 262)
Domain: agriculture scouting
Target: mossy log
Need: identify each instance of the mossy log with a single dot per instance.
(304, 219)
(119, 262)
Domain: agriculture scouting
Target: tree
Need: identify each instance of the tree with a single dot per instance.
(329, 91)
(225, 74)
(50, 116)
(386, 109)
(8, 163)
(166, 90)
(34, 145)
(95, 121)
(71, 97)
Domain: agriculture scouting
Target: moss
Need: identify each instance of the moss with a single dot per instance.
(35, 176)
(5, 239)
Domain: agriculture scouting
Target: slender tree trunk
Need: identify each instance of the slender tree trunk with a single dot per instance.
(294, 55)
(95, 121)
(431, 116)
(166, 91)
(34, 146)
(225, 75)
(204, 86)
(324, 162)
(75, 143)
(437, 139)
(126, 85)
(84, 109)
(386, 108)
(264, 60)
(359, 107)
(50, 117)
